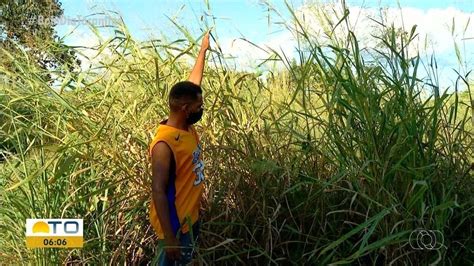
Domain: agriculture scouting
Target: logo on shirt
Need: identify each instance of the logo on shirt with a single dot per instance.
(177, 137)
(198, 168)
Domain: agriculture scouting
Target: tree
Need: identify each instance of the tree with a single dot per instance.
(27, 26)
(30, 25)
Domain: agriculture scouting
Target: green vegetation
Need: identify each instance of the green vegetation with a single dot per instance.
(28, 25)
(27, 28)
(336, 159)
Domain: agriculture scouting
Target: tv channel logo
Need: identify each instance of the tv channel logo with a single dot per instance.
(421, 239)
(54, 233)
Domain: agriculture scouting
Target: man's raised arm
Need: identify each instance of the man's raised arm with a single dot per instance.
(196, 75)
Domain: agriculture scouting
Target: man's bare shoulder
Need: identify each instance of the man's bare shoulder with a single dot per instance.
(161, 150)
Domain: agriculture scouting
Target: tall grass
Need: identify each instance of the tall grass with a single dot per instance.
(334, 159)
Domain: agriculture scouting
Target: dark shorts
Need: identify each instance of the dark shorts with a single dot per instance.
(187, 244)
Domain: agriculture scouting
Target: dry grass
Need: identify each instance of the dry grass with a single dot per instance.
(334, 160)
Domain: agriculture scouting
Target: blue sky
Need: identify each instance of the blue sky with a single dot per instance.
(251, 19)
(233, 17)
(145, 17)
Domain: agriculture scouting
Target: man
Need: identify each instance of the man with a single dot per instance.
(177, 169)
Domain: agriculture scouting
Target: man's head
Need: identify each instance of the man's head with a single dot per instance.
(186, 99)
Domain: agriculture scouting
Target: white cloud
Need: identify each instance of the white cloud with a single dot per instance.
(246, 54)
(434, 27)
(86, 43)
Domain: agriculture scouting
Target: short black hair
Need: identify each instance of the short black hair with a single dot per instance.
(183, 92)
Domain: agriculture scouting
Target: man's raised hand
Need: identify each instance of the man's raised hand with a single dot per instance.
(198, 69)
(205, 41)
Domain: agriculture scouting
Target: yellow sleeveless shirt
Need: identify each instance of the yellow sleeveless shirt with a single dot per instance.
(185, 185)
